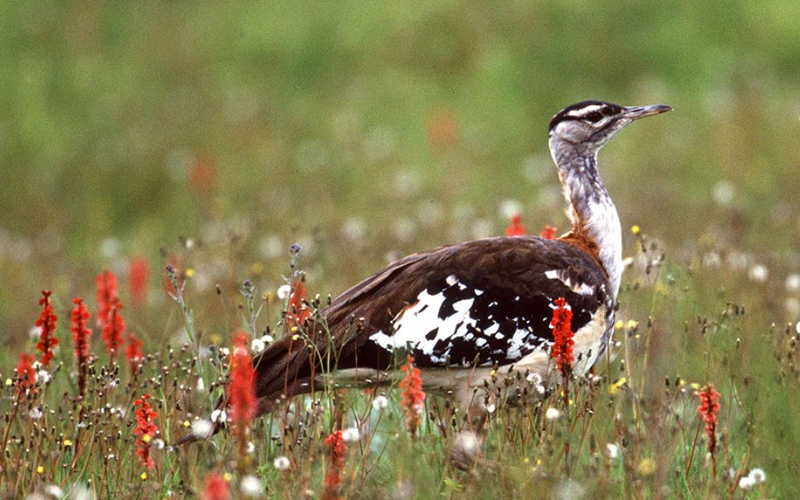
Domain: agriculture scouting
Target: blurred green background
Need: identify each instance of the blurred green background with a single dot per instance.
(215, 134)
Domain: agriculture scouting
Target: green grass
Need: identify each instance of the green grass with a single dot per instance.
(366, 132)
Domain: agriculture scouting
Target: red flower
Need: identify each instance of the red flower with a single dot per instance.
(26, 374)
(113, 328)
(47, 325)
(298, 311)
(412, 395)
(107, 295)
(515, 228)
(548, 233)
(133, 353)
(138, 279)
(242, 389)
(334, 475)
(709, 409)
(145, 430)
(80, 339)
(216, 488)
(562, 336)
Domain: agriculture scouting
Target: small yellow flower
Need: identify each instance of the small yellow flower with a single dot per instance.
(143, 476)
(695, 386)
(294, 329)
(228, 477)
(635, 229)
(67, 442)
(40, 470)
(646, 467)
(295, 336)
(189, 272)
(186, 423)
(146, 438)
(613, 388)
(632, 324)
(619, 324)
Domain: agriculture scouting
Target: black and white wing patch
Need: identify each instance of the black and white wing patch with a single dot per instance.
(458, 323)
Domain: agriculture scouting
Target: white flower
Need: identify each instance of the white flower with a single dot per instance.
(757, 475)
(612, 450)
(284, 291)
(380, 402)
(491, 408)
(202, 428)
(251, 486)
(201, 385)
(282, 463)
(158, 444)
(746, 483)
(36, 413)
(251, 447)
(552, 413)
(723, 193)
(351, 435)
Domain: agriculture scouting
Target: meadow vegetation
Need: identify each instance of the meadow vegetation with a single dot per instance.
(185, 148)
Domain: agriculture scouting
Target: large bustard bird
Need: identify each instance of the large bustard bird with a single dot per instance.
(462, 310)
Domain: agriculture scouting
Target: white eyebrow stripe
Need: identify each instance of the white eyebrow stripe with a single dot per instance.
(580, 113)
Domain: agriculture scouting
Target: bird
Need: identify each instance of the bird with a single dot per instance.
(467, 311)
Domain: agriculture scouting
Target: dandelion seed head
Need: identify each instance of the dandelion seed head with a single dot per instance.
(251, 486)
(552, 413)
(491, 408)
(746, 483)
(351, 435)
(35, 413)
(257, 346)
(380, 402)
(284, 291)
(282, 463)
(612, 450)
(758, 475)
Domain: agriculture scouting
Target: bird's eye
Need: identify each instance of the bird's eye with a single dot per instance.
(594, 116)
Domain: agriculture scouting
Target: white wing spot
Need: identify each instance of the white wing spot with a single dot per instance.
(561, 275)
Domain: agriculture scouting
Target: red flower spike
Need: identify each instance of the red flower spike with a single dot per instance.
(138, 279)
(334, 475)
(81, 336)
(241, 391)
(298, 311)
(133, 352)
(548, 233)
(113, 328)
(47, 325)
(26, 374)
(562, 336)
(515, 228)
(216, 488)
(412, 395)
(107, 296)
(145, 430)
(709, 409)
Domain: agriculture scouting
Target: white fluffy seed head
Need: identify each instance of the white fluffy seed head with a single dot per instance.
(758, 475)
(251, 486)
(746, 483)
(202, 428)
(282, 463)
(380, 403)
(552, 413)
(351, 435)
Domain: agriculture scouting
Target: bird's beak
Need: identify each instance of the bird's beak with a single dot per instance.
(636, 112)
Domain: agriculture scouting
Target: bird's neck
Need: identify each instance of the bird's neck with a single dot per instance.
(595, 222)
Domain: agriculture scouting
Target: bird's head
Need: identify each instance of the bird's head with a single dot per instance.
(590, 124)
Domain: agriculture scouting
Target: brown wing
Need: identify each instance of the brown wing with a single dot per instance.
(481, 302)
